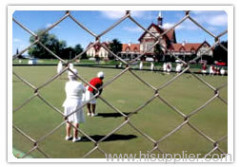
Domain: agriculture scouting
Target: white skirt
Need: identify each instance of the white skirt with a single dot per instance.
(70, 106)
(89, 95)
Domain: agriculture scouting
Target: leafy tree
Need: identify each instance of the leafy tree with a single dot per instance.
(158, 52)
(68, 53)
(50, 41)
(115, 46)
(56, 46)
(78, 49)
(219, 53)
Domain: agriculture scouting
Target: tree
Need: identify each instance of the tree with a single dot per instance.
(78, 49)
(219, 53)
(115, 46)
(50, 41)
(158, 52)
(58, 47)
(68, 53)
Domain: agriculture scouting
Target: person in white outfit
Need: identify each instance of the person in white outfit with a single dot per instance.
(222, 71)
(71, 66)
(120, 65)
(211, 70)
(74, 91)
(59, 67)
(152, 66)
(178, 67)
(140, 65)
(164, 67)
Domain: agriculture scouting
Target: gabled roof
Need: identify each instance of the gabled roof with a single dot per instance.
(98, 45)
(131, 47)
(188, 47)
(170, 34)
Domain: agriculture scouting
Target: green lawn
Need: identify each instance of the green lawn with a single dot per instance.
(126, 93)
(102, 63)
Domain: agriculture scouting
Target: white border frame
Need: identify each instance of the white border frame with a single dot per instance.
(227, 8)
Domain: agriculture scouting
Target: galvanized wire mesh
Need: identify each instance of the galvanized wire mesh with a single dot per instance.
(128, 68)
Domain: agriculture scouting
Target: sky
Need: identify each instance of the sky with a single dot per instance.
(125, 32)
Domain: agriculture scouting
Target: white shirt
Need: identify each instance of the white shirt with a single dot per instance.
(222, 71)
(152, 66)
(164, 67)
(74, 92)
(59, 67)
(178, 67)
(140, 65)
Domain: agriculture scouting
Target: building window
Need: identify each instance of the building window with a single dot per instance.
(148, 45)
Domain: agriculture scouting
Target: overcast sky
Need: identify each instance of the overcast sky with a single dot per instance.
(126, 32)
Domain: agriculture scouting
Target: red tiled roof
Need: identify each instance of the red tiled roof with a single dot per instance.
(131, 47)
(188, 47)
(171, 35)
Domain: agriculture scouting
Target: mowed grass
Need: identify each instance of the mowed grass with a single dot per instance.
(126, 93)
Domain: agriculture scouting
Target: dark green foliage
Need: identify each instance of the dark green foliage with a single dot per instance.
(115, 46)
(219, 53)
(58, 47)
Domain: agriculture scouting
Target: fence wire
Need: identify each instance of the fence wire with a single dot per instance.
(126, 118)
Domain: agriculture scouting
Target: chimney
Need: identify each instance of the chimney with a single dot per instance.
(159, 19)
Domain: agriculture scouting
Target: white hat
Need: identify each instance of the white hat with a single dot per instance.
(100, 74)
(71, 66)
(74, 71)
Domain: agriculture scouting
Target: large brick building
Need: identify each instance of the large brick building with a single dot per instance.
(147, 40)
(168, 42)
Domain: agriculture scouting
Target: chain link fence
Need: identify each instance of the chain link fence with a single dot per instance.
(126, 118)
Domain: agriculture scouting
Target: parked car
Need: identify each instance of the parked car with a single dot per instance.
(220, 63)
(149, 59)
(92, 59)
